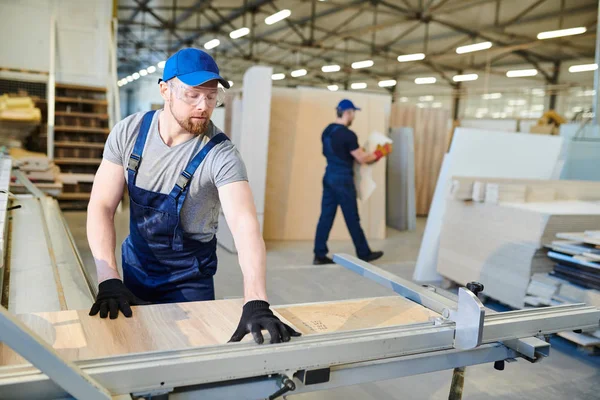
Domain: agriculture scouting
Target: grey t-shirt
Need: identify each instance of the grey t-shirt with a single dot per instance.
(161, 165)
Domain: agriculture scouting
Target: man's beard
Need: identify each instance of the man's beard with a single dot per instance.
(195, 127)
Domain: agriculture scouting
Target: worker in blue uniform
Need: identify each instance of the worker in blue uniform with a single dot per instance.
(180, 169)
(341, 150)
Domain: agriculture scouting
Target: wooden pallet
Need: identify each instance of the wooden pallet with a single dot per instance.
(585, 343)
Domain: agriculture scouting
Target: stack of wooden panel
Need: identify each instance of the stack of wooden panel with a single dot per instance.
(81, 129)
(501, 243)
(577, 258)
(38, 169)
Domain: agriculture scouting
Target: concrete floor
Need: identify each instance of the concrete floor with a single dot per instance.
(566, 374)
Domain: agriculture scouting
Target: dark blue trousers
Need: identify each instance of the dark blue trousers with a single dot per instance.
(339, 191)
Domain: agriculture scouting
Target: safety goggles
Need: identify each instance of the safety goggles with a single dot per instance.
(195, 97)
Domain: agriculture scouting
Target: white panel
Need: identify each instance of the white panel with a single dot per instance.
(82, 48)
(505, 125)
(218, 117)
(25, 31)
(256, 116)
(486, 154)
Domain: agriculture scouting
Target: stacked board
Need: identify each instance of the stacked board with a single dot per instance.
(577, 258)
(501, 244)
(80, 131)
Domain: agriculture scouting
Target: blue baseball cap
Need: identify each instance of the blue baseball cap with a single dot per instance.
(346, 105)
(192, 67)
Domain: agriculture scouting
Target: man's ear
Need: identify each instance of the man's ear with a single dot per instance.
(164, 91)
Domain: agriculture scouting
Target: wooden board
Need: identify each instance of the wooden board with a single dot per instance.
(61, 99)
(431, 137)
(579, 237)
(77, 161)
(81, 129)
(296, 164)
(77, 336)
(352, 315)
(80, 114)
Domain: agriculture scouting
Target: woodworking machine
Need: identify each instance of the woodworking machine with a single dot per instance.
(466, 333)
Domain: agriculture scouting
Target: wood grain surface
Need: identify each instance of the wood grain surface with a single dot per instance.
(77, 336)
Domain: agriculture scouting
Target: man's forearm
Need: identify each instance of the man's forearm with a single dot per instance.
(252, 257)
(101, 238)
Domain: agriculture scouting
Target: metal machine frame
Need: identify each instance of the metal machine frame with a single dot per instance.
(466, 334)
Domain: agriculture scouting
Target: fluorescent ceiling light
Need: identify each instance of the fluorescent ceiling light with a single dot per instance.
(359, 85)
(519, 73)
(583, 67)
(362, 64)
(517, 102)
(151, 69)
(421, 105)
(161, 64)
(411, 57)
(403, 99)
(129, 78)
(473, 47)
(436, 105)
(426, 98)
(119, 83)
(491, 96)
(230, 83)
(299, 72)
(561, 33)
(211, 44)
(388, 83)
(586, 93)
(330, 68)
(278, 16)
(135, 75)
(538, 107)
(238, 33)
(465, 78)
(425, 81)
(333, 88)
(278, 77)
(143, 72)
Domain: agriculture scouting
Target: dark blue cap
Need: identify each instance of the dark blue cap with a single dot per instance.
(346, 105)
(192, 67)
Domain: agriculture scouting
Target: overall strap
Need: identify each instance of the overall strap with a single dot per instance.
(136, 155)
(184, 178)
(179, 192)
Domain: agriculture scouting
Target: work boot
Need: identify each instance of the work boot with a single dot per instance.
(322, 260)
(374, 255)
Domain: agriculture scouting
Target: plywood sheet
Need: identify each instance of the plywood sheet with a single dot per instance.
(77, 336)
(296, 163)
(355, 314)
(431, 136)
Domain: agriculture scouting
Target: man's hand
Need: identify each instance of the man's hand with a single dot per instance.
(256, 316)
(382, 151)
(114, 296)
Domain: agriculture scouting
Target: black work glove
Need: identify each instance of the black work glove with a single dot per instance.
(114, 296)
(256, 316)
